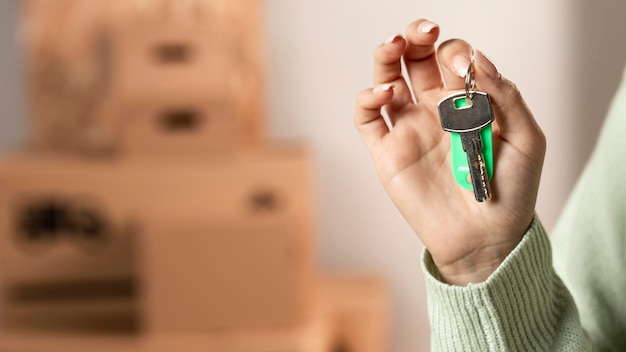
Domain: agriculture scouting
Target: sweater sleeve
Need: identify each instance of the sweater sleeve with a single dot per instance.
(589, 240)
(522, 306)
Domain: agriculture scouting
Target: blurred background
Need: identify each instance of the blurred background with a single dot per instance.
(565, 56)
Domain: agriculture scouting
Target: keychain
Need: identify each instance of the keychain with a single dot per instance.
(468, 117)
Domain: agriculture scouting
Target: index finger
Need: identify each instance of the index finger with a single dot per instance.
(420, 58)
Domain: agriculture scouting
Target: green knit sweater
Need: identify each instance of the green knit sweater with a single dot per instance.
(525, 305)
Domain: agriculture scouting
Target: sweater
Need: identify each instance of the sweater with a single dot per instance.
(566, 292)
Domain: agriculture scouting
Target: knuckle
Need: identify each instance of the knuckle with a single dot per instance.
(541, 139)
(451, 46)
(511, 95)
(363, 96)
(384, 55)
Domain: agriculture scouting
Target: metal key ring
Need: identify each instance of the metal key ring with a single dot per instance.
(470, 82)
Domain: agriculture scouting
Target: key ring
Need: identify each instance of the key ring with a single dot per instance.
(470, 82)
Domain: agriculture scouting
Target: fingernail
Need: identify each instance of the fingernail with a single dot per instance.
(427, 26)
(383, 87)
(461, 63)
(394, 39)
(486, 65)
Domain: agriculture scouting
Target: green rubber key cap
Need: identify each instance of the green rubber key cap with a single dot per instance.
(468, 117)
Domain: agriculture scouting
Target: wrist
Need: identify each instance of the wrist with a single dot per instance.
(475, 267)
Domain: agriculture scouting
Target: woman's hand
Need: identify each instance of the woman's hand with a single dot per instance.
(466, 239)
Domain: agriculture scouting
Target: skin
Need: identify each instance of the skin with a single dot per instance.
(466, 239)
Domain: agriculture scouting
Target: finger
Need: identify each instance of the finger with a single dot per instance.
(368, 118)
(515, 121)
(388, 69)
(420, 58)
(454, 57)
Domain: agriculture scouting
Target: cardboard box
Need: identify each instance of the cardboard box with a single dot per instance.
(217, 273)
(66, 244)
(154, 62)
(177, 126)
(350, 315)
(312, 335)
(86, 59)
(358, 306)
(69, 245)
(208, 50)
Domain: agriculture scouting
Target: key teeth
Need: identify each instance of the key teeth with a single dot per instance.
(483, 199)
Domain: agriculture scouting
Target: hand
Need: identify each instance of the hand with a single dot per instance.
(467, 240)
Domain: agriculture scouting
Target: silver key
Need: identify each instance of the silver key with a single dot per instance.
(467, 117)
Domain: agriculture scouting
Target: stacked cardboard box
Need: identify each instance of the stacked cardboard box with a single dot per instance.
(144, 76)
(186, 232)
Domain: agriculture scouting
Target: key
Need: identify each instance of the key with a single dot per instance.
(471, 119)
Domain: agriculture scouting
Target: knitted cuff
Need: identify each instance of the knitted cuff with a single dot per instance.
(517, 308)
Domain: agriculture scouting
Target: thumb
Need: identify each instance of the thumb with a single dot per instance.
(516, 122)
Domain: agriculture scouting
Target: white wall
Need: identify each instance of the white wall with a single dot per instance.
(566, 56)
